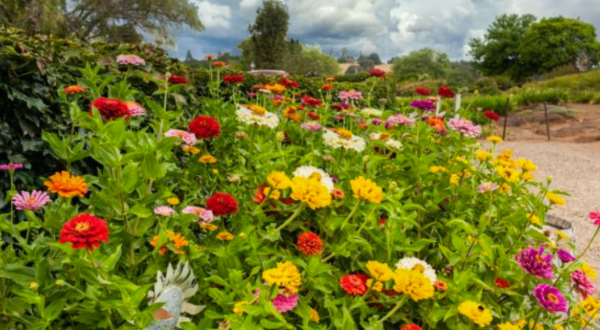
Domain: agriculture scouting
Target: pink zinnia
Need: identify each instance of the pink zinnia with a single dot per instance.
(11, 167)
(311, 126)
(583, 285)
(285, 304)
(188, 138)
(353, 95)
(33, 201)
(536, 263)
(487, 187)
(135, 109)
(550, 298)
(130, 60)
(465, 127)
(164, 211)
(594, 216)
(204, 214)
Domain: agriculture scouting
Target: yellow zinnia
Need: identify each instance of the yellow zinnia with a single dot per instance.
(508, 326)
(494, 139)
(476, 313)
(377, 286)
(278, 180)
(173, 200)
(588, 271)
(366, 190)
(207, 159)
(311, 192)
(380, 271)
(224, 236)
(285, 275)
(413, 283)
(555, 199)
(314, 315)
(237, 309)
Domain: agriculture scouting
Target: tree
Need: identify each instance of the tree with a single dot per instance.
(375, 58)
(558, 41)
(343, 56)
(310, 60)
(366, 63)
(425, 61)
(498, 53)
(189, 57)
(113, 20)
(269, 35)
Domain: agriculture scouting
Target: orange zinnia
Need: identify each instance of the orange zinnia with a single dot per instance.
(218, 64)
(209, 57)
(74, 89)
(67, 185)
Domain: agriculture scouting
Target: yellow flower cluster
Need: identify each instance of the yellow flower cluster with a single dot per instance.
(380, 273)
(237, 309)
(285, 275)
(279, 180)
(366, 190)
(436, 169)
(508, 326)
(224, 236)
(311, 192)
(476, 313)
(314, 315)
(522, 323)
(555, 199)
(207, 159)
(589, 271)
(509, 169)
(414, 283)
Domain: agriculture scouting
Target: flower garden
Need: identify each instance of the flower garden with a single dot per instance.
(275, 208)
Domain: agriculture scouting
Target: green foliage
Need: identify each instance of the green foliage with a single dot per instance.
(428, 62)
(558, 41)
(310, 60)
(269, 35)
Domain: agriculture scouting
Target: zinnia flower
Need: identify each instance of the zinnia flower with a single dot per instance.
(550, 298)
(314, 173)
(203, 214)
(555, 199)
(491, 115)
(222, 204)
(355, 284)
(445, 92)
(285, 275)
(366, 190)
(189, 139)
(256, 115)
(534, 262)
(311, 192)
(175, 241)
(311, 126)
(351, 95)
(237, 309)
(326, 87)
(411, 263)
(411, 327)
(177, 80)
(413, 283)
(501, 283)
(595, 217)
(130, 60)
(377, 73)
(583, 285)
(379, 271)
(565, 256)
(218, 64)
(424, 105)
(284, 304)
(233, 79)
(476, 313)
(465, 127)
(110, 109)
(487, 187)
(494, 139)
(11, 167)
(224, 236)
(314, 315)
(509, 326)
(423, 91)
(310, 243)
(288, 83)
(84, 231)
(311, 101)
(135, 109)
(33, 201)
(164, 211)
(341, 138)
(66, 185)
(205, 127)
(74, 89)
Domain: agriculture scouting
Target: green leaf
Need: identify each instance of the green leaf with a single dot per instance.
(140, 211)
(151, 168)
(54, 309)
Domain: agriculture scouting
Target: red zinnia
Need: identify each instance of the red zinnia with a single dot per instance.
(233, 79)
(110, 108)
(84, 231)
(492, 115)
(501, 283)
(205, 127)
(310, 244)
(326, 87)
(313, 115)
(445, 92)
(259, 195)
(177, 80)
(222, 204)
(355, 284)
(422, 91)
(311, 101)
(336, 107)
(411, 327)
(288, 83)
(377, 73)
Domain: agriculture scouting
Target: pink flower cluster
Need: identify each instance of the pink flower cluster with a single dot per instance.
(399, 120)
(34, 201)
(188, 138)
(203, 214)
(164, 211)
(465, 127)
(352, 95)
(284, 304)
(312, 126)
(135, 109)
(11, 167)
(130, 60)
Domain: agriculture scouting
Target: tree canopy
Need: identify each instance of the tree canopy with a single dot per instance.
(269, 35)
(113, 20)
(425, 61)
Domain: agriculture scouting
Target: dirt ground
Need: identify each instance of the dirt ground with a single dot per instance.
(572, 158)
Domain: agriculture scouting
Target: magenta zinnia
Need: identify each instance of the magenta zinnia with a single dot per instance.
(583, 285)
(550, 298)
(535, 262)
(33, 201)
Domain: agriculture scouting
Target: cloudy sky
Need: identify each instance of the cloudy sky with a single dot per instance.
(387, 27)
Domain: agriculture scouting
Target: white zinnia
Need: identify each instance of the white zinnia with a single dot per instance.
(307, 171)
(371, 112)
(410, 263)
(333, 140)
(394, 144)
(246, 115)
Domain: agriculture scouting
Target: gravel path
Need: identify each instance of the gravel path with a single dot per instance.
(575, 168)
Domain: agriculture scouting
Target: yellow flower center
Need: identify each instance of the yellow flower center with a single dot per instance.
(315, 176)
(30, 200)
(384, 136)
(257, 110)
(419, 268)
(82, 226)
(343, 133)
(552, 298)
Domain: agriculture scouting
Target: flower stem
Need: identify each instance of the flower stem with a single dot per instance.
(351, 214)
(589, 244)
(396, 308)
(291, 218)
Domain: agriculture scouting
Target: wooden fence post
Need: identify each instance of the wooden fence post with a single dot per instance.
(506, 110)
(547, 121)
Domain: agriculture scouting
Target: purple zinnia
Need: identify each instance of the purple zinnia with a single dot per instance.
(465, 127)
(284, 304)
(583, 285)
(424, 105)
(345, 105)
(377, 121)
(565, 256)
(550, 298)
(535, 262)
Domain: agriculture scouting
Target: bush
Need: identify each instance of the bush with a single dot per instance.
(528, 96)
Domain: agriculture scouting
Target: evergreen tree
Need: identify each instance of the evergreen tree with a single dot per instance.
(269, 35)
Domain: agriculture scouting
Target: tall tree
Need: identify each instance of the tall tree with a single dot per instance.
(188, 56)
(556, 42)
(425, 61)
(114, 20)
(343, 55)
(375, 58)
(498, 52)
(269, 35)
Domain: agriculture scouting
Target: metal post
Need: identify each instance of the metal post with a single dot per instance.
(506, 110)
(547, 121)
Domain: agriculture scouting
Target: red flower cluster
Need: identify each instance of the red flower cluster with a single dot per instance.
(336, 107)
(355, 284)
(288, 83)
(310, 244)
(501, 283)
(326, 87)
(492, 115)
(445, 92)
(110, 109)
(259, 195)
(177, 80)
(423, 91)
(233, 79)
(311, 101)
(84, 231)
(222, 204)
(377, 73)
(205, 127)
(313, 115)
(411, 327)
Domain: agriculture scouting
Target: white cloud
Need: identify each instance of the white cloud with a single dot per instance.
(213, 15)
(249, 3)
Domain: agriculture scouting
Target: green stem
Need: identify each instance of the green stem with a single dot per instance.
(589, 243)
(396, 308)
(351, 215)
(291, 218)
